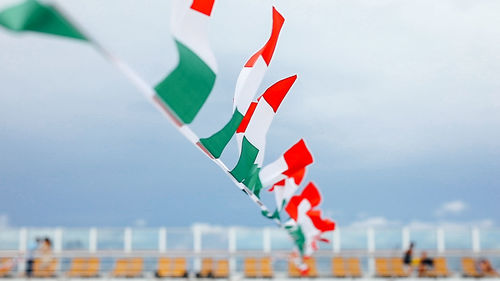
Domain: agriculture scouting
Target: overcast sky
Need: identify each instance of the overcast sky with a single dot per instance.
(399, 102)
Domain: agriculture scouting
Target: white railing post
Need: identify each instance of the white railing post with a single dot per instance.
(162, 240)
(476, 240)
(23, 248)
(127, 240)
(405, 238)
(231, 237)
(58, 236)
(440, 240)
(93, 240)
(266, 240)
(23, 240)
(370, 236)
(336, 240)
(197, 246)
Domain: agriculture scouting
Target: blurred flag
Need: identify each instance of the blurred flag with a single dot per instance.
(32, 15)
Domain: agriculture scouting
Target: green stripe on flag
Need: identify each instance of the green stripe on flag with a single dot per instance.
(274, 215)
(298, 237)
(186, 89)
(218, 141)
(252, 180)
(246, 161)
(33, 16)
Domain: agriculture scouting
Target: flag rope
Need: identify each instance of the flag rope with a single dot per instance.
(150, 94)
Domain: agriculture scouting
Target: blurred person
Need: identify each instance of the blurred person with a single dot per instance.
(45, 254)
(30, 256)
(486, 269)
(425, 264)
(408, 256)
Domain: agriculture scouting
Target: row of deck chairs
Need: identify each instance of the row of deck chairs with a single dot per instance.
(393, 267)
(253, 268)
(39, 269)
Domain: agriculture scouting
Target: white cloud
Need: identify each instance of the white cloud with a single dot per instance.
(4, 220)
(378, 221)
(452, 207)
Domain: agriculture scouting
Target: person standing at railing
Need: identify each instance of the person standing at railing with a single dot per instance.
(45, 251)
(30, 256)
(407, 258)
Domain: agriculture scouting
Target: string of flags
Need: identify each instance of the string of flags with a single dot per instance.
(182, 94)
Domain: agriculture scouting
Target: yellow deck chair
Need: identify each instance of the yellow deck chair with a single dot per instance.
(39, 270)
(311, 264)
(121, 268)
(6, 266)
(440, 267)
(266, 267)
(222, 269)
(397, 267)
(338, 267)
(469, 268)
(206, 268)
(164, 268)
(77, 268)
(382, 268)
(293, 271)
(179, 268)
(93, 267)
(135, 267)
(354, 267)
(250, 268)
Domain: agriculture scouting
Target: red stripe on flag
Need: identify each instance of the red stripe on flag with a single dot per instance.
(321, 224)
(280, 183)
(299, 176)
(246, 119)
(310, 193)
(297, 157)
(275, 94)
(203, 6)
(268, 50)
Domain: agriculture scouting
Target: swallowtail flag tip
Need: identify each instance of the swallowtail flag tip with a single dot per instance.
(32, 15)
(247, 85)
(295, 158)
(323, 225)
(297, 178)
(203, 6)
(275, 94)
(310, 193)
(184, 91)
(268, 50)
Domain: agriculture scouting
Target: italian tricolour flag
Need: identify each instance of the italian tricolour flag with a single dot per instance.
(307, 225)
(252, 131)
(247, 84)
(286, 188)
(294, 159)
(186, 88)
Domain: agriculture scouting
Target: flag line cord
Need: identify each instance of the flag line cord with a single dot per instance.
(150, 94)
